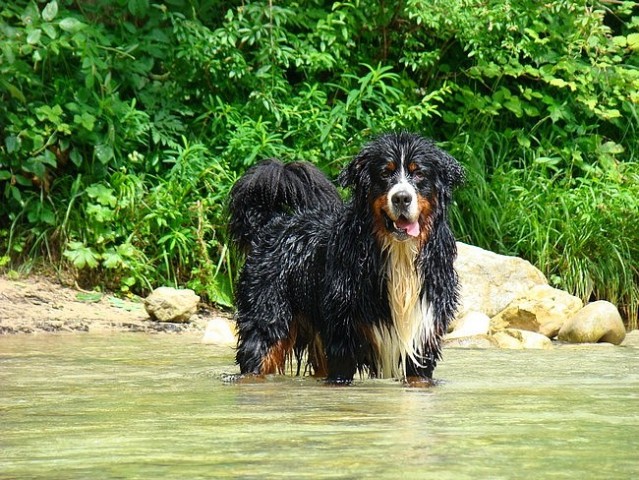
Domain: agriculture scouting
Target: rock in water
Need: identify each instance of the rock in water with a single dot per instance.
(472, 323)
(514, 338)
(596, 322)
(220, 331)
(166, 304)
(474, 341)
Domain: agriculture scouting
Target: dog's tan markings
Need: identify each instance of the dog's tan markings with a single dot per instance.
(412, 167)
(426, 209)
(317, 357)
(378, 207)
(275, 360)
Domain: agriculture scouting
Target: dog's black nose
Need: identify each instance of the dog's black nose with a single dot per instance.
(401, 199)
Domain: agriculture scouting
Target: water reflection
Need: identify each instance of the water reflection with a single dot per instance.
(138, 406)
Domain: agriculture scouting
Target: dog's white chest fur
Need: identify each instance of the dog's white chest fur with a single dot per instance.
(412, 318)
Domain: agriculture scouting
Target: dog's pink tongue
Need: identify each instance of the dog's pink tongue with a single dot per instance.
(412, 228)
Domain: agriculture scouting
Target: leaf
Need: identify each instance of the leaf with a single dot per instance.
(101, 193)
(514, 105)
(548, 161)
(611, 148)
(81, 256)
(138, 8)
(126, 250)
(620, 41)
(35, 165)
(128, 306)
(12, 143)
(71, 25)
(610, 113)
(558, 82)
(100, 213)
(50, 11)
(221, 292)
(49, 158)
(76, 157)
(50, 31)
(14, 91)
(22, 180)
(104, 153)
(86, 120)
(111, 259)
(34, 36)
(17, 196)
(88, 297)
(52, 114)
(48, 217)
(633, 41)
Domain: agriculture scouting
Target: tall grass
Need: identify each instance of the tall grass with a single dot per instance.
(580, 231)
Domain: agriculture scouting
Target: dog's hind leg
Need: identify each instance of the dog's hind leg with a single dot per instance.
(267, 337)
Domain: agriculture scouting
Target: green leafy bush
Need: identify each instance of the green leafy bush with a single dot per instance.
(126, 122)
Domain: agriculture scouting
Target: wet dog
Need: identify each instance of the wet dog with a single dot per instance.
(364, 285)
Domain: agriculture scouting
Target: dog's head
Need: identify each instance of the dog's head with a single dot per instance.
(407, 183)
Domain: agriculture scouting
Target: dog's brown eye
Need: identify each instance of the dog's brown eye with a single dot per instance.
(388, 171)
(418, 175)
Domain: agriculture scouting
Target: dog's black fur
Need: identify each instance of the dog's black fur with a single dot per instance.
(365, 285)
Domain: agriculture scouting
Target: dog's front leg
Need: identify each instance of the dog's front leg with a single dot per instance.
(420, 375)
(341, 360)
(341, 370)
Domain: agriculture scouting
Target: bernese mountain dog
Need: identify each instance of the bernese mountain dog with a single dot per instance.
(366, 285)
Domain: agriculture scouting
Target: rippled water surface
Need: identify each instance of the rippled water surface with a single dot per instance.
(140, 406)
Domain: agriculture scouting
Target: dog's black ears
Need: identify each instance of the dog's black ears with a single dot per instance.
(355, 172)
(357, 177)
(453, 174)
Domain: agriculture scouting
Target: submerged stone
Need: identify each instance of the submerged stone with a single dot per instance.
(472, 323)
(516, 339)
(220, 331)
(474, 341)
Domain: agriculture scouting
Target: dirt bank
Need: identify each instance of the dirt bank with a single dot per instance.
(37, 304)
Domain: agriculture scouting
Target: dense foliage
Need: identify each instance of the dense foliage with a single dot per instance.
(125, 122)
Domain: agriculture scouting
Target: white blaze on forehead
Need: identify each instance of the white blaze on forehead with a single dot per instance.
(403, 185)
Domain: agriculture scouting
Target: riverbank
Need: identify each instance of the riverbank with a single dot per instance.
(37, 304)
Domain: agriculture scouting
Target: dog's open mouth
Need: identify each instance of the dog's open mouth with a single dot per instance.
(402, 228)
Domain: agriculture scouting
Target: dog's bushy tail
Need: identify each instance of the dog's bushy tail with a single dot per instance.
(273, 188)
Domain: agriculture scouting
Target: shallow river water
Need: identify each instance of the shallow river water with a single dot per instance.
(155, 406)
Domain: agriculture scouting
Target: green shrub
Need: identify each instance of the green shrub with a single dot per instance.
(126, 122)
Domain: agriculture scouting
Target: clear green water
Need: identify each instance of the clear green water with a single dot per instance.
(139, 406)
